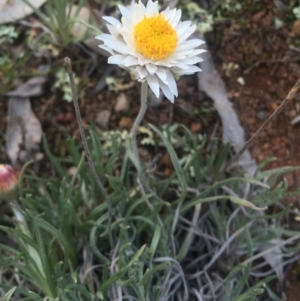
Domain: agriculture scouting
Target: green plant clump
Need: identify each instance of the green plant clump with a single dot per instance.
(190, 236)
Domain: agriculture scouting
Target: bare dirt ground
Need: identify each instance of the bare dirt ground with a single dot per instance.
(259, 68)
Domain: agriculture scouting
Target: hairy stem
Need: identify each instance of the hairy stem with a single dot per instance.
(137, 122)
(68, 66)
(136, 160)
(139, 118)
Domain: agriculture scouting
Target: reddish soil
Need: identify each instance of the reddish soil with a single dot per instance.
(261, 70)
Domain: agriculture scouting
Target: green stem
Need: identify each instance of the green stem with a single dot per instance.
(68, 66)
(137, 122)
(135, 154)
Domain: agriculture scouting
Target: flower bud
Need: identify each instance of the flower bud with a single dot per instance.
(9, 179)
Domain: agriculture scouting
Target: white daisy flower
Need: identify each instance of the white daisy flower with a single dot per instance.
(152, 46)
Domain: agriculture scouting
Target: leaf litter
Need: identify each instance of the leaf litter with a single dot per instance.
(14, 10)
(24, 130)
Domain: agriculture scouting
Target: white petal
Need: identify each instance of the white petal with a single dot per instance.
(153, 84)
(116, 59)
(190, 70)
(138, 13)
(118, 47)
(169, 14)
(162, 74)
(182, 65)
(113, 30)
(182, 46)
(171, 83)
(128, 39)
(112, 21)
(199, 51)
(106, 37)
(126, 24)
(130, 61)
(167, 92)
(107, 49)
(167, 62)
(142, 60)
(139, 7)
(165, 11)
(151, 68)
(133, 3)
(127, 33)
(182, 26)
(181, 54)
(194, 43)
(186, 34)
(176, 18)
(125, 13)
(99, 37)
(142, 6)
(151, 9)
(193, 60)
(171, 60)
(142, 71)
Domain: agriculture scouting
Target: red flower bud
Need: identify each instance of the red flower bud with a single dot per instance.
(9, 179)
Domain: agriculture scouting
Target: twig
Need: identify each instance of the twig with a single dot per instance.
(267, 122)
(68, 66)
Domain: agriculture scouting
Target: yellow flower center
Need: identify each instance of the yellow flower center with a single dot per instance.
(154, 37)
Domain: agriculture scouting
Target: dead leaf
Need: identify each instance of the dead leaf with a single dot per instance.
(24, 132)
(64, 117)
(195, 127)
(296, 29)
(2, 3)
(122, 103)
(102, 118)
(93, 44)
(32, 87)
(165, 161)
(13, 10)
(84, 14)
(80, 28)
(125, 123)
(211, 83)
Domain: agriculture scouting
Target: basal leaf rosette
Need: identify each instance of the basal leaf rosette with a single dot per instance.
(152, 45)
